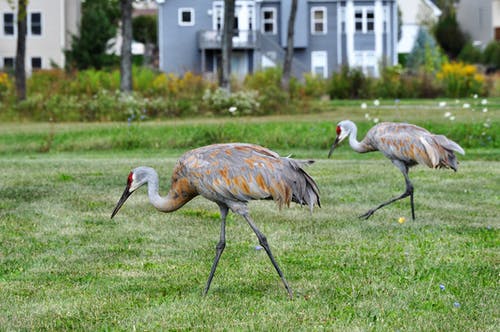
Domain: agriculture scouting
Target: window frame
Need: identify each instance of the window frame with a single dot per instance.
(273, 20)
(364, 21)
(14, 25)
(180, 13)
(315, 56)
(323, 20)
(30, 24)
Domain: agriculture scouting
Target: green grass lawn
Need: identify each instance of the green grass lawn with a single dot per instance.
(65, 265)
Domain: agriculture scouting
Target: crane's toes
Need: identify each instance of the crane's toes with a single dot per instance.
(367, 215)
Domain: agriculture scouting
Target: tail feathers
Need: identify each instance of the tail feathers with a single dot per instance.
(448, 144)
(447, 156)
(305, 191)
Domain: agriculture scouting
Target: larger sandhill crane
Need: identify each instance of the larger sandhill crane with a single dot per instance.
(406, 145)
(229, 175)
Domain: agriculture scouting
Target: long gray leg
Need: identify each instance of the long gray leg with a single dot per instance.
(265, 245)
(408, 192)
(219, 248)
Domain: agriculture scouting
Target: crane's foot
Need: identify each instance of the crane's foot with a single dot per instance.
(367, 215)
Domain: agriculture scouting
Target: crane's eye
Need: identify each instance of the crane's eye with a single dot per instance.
(338, 130)
(130, 178)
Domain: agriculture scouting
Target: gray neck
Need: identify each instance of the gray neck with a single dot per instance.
(164, 204)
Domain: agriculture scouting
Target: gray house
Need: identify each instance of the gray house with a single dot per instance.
(328, 34)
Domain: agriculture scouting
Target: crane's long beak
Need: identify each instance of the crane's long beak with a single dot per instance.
(122, 200)
(334, 145)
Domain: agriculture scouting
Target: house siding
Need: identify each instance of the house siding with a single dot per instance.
(181, 51)
(59, 20)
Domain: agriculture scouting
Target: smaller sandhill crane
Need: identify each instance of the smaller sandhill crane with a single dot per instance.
(230, 175)
(406, 145)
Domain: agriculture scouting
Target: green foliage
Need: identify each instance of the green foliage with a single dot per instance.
(470, 54)
(449, 35)
(491, 54)
(350, 83)
(267, 83)
(425, 54)
(221, 102)
(144, 28)
(98, 25)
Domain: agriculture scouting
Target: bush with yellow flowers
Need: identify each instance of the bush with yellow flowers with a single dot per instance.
(460, 80)
(5, 84)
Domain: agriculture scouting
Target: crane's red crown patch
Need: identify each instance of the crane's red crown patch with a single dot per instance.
(130, 178)
(338, 130)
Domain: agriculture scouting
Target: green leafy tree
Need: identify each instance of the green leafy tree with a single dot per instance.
(425, 54)
(449, 35)
(144, 29)
(98, 25)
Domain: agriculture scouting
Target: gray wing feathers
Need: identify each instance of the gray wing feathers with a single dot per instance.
(305, 191)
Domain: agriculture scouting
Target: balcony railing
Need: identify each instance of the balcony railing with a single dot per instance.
(212, 39)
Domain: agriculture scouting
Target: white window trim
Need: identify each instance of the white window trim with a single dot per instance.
(14, 23)
(264, 21)
(364, 18)
(179, 16)
(324, 56)
(313, 21)
(29, 24)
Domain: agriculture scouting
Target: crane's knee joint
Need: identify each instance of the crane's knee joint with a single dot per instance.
(220, 246)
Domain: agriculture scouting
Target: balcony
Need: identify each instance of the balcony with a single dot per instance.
(212, 39)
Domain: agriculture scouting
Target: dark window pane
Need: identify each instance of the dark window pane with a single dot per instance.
(359, 26)
(268, 15)
(8, 24)
(370, 26)
(8, 62)
(36, 63)
(186, 17)
(268, 27)
(36, 23)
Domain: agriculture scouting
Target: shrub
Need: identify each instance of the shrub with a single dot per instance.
(460, 80)
(470, 54)
(491, 54)
(350, 83)
(271, 97)
(222, 102)
(314, 86)
(5, 85)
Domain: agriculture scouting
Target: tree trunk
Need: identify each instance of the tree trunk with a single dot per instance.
(20, 71)
(227, 44)
(126, 50)
(287, 65)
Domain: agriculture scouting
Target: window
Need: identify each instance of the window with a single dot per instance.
(186, 16)
(36, 24)
(8, 63)
(268, 20)
(364, 19)
(319, 63)
(318, 20)
(36, 63)
(8, 24)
